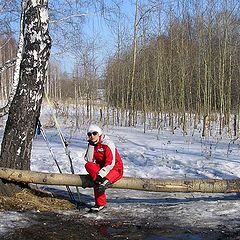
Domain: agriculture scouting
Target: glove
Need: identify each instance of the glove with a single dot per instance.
(103, 186)
(99, 179)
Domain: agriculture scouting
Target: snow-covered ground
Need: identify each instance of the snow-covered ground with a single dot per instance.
(150, 155)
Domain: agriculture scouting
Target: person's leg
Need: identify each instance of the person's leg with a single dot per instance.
(100, 197)
(114, 175)
(92, 169)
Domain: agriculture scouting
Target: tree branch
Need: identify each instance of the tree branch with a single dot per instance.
(72, 16)
(4, 110)
(7, 65)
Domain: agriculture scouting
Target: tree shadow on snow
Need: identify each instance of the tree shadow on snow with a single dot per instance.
(145, 197)
(174, 201)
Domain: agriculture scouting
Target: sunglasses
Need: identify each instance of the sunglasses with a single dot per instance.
(92, 133)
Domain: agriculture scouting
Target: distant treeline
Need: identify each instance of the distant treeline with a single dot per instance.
(180, 67)
(8, 51)
(191, 66)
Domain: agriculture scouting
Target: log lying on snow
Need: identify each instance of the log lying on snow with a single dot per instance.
(155, 185)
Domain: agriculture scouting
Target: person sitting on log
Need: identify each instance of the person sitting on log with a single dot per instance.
(104, 164)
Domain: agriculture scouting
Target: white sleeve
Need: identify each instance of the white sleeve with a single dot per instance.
(105, 170)
(89, 154)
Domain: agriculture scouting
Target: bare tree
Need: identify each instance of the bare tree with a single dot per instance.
(32, 64)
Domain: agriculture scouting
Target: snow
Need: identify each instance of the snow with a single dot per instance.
(154, 154)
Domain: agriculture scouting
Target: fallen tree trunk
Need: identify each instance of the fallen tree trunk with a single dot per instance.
(155, 185)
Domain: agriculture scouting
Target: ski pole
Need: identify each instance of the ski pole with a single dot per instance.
(63, 140)
(55, 160)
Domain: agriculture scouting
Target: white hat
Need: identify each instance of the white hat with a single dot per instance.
(95, 128)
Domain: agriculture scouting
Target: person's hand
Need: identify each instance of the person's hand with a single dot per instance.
(105, 185)
(99, 179)
(101, 188)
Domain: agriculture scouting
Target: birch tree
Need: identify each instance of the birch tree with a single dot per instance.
(30, 73)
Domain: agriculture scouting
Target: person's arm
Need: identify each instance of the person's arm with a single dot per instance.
(89, 153)
(110, 154)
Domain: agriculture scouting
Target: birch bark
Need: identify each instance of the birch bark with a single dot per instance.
(30, 73)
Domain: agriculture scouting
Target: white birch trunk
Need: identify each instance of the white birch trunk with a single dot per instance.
(29, 78)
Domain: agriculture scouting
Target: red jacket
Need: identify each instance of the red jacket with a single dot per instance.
(106, 156)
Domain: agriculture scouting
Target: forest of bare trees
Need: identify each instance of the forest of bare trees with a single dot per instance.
(178, 66)
(186, 69)
(8, 49)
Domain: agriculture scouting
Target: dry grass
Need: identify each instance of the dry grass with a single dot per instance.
(28, 199)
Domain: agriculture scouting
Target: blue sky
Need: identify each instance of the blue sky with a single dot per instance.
(96, 27)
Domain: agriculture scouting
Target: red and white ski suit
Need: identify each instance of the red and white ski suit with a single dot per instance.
(104, 160)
